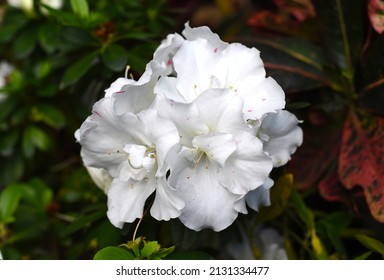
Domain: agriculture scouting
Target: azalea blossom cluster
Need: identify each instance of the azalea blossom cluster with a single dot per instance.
(200, 130)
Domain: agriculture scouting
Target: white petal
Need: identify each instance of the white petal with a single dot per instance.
(102, 137)
(163, 134)
(221, 110)
(217, 146)
(100, 177)
(167, 49)
(195, 63)
(136, 154)
(248, 167)
(167, 204)
(264, 97)
(186, 117)
(139, 96)
(166, 86)
(117, 85)
(203, 32)
(284, 136)
(260, 196)
(207, 203)
(126, 200)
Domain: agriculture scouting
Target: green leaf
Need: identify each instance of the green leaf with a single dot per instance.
(115, 57)
(38, 194)
(7, 106)
(82, 222)
(11, 25)
(296, 64)
(49, 114)
(163, 253)
(49, 37)
(80, 8)
(364, 256)
(9, 201)
(149, 249)
(38, 138)
(371, 243)
(76, 36)
(25, 42)
(8, 142)
(77, 70)
(307, 216)
(280, 193)
(113, 253)
(12, 169)
(42, 69)
(341, 24)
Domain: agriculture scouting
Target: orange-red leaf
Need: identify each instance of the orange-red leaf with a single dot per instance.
(361, 159)
(376, 14)
(300, 9)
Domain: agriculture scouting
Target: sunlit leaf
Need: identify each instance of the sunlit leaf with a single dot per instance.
(113, 253)
(9, 200)
(80, 7)
(49, 114)
(362, 158)
(371, 243)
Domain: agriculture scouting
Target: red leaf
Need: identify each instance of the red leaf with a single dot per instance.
(300, 9)
(376, 14)
(361, 160)
(331, 189)
(313, 158)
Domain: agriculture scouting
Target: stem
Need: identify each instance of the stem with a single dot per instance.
(139, 222)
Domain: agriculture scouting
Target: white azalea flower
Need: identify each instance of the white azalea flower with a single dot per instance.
(202, 128)
(220, 160)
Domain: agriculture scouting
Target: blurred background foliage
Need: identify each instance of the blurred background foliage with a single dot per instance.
(326, 54)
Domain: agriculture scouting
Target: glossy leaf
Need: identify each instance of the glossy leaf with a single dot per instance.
(80, 7)
(306, 215)
(26, 42)
(113, 253)
(361, 158)
(49, 37)
(9, 201)
(8, 141)
(78, 69)
(49, 114)
(115, 57)
(314, 157)
(371, 82)
(296, 64)
(300, 9)
(341, 30)
(371, 243)
(279, 196)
